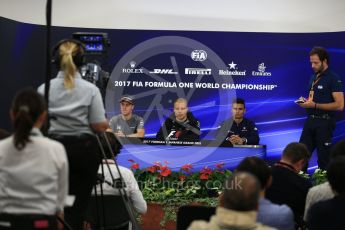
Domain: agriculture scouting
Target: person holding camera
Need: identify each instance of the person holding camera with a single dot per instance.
(76, 112)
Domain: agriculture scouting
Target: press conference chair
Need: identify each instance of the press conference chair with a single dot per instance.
(113, 209)
(27, 222)
(188, 213)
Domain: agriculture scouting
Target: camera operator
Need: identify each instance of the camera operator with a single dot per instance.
(76, 111)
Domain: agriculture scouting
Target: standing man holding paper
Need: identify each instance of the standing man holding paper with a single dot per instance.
(325, 97)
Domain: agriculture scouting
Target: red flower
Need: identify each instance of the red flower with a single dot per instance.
(135, 166)
(152, 169)
(204, 176)
(220, 165)
(157, 163)
(182, 177)
(206, 171)
(186, 167)
(165, 171)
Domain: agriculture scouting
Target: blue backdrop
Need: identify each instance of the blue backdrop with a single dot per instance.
(269, 70)
(276, 63)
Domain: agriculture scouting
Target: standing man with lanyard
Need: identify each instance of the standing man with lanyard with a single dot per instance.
(325, 97)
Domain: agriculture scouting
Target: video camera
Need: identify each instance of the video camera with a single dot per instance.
(96, 47)
(95, 43)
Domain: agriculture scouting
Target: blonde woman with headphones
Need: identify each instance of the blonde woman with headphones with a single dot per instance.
(76, 113)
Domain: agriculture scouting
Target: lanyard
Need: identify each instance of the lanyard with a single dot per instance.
(285, 165)
(311, 92)
(315, 81)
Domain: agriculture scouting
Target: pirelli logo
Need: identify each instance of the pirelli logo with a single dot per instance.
(198, 71)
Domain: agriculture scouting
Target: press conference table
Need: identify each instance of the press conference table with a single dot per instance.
(146, 152)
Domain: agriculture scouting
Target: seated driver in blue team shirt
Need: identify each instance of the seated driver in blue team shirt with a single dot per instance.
(238, 130)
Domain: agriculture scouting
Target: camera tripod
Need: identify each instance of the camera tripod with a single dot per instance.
(110, 211)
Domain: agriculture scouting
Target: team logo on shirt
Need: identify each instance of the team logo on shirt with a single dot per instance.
(171, 134)
(320, 87)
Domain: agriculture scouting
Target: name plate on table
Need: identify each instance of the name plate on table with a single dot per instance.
(146, 152)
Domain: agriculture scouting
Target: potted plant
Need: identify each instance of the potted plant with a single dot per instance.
(166, 190)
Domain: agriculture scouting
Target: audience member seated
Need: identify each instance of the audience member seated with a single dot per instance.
(238, 205)
(324, 190)
(238, 130)
(181, 125)
(330, 214)
(111, 187)
(127, 124)
(33, 169)
(287, 186)
(274, 215)
(186, 214)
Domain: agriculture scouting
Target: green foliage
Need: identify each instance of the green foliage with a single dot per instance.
(171, 189)
(174, 189)
(160, 185)
(304, 175)
(319, 177)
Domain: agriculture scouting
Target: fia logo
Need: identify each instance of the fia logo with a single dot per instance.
(198, 55)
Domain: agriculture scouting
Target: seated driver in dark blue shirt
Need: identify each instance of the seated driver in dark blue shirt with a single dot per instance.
(238, 130)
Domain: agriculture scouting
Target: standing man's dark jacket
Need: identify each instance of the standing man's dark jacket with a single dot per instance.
(172, 129)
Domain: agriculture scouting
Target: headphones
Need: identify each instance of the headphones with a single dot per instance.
(78, 58)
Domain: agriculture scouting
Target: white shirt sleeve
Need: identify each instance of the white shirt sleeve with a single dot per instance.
(136, 195)
(62, 165)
